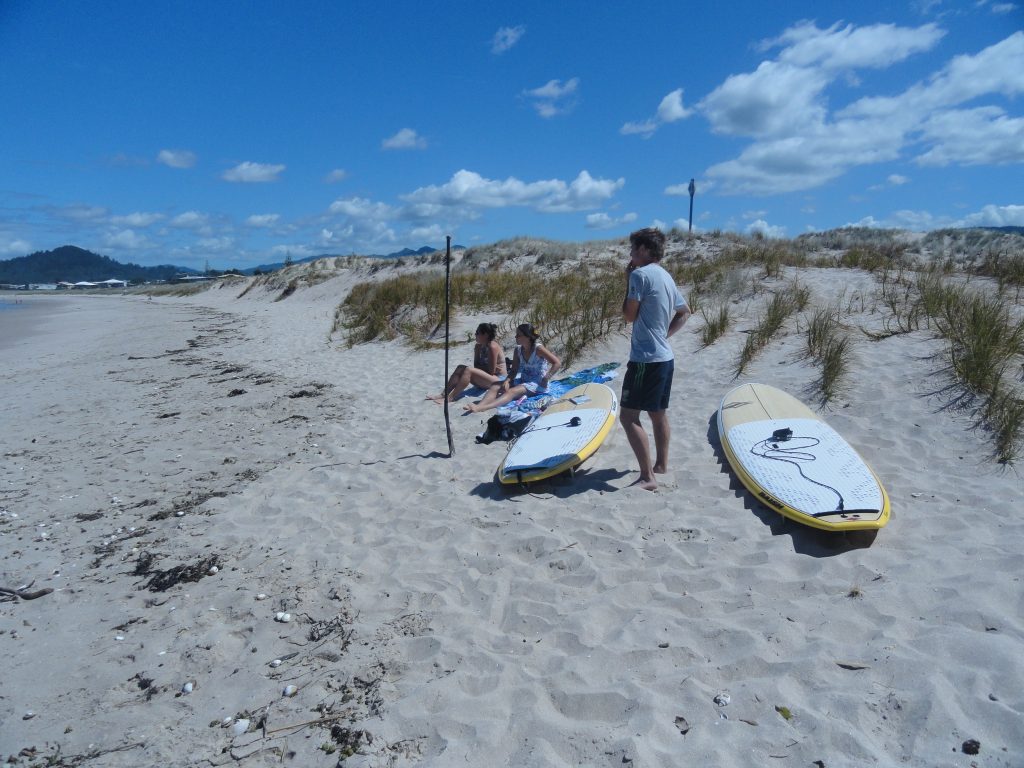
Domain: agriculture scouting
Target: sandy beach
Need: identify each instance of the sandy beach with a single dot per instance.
(182, 472)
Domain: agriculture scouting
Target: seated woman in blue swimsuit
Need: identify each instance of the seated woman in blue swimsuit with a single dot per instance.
(488, 366)
(535, 364)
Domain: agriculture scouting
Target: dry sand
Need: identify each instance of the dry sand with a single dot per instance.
(436, 620)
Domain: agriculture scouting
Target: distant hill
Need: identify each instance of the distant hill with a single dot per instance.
(72, 264)
(69, 263)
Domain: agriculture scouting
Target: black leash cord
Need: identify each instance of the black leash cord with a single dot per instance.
(794, 455)
(573, 422)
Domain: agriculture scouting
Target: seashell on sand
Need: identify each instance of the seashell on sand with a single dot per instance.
(275, 663)
(240, 727)
(188, 687)
(289, 690)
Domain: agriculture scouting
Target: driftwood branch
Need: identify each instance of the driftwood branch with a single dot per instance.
(24, 594)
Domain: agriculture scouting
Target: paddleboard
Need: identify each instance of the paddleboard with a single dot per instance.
(568, 433)
(796, 464)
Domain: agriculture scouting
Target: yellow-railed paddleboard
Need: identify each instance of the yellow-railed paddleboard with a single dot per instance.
(796, 464)
(568, 433)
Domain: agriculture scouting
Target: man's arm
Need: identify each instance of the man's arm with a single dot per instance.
(630, 307)
(679, 319)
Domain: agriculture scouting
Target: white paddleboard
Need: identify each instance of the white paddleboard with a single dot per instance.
(568, 433)
(796, 464)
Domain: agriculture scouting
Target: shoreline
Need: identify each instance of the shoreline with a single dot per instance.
(22, 320)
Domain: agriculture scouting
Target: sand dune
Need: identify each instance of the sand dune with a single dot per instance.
(179, 471)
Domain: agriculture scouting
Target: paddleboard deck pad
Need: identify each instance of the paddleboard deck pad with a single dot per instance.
(795, 463)
(568, 433)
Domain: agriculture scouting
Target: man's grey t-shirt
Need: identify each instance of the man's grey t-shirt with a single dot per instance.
(659, 300)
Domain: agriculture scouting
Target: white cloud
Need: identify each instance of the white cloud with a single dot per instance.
(554, 97)
(680, 190)
(332, 237)
(176, 158)
(137, 220)
(892, 180)
(125, 239)
(296, 251)
(763, 227)
(645, 128)
(83, 213)
(338, 174)
(253, 173)
(604, 221)
(468, 190)
(1004, 7)
(432, 233)
(263, 219)
(670, 110)
(361, 208)
(768, 102)
(506, 37)
(190, 220)
(406, 138)
(215, 244)
(17, 247)
(783, 107)
(996, 216)
(877, 46)
(995, 70)
(980, 136)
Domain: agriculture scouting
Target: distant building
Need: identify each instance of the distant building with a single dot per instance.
(182, 278)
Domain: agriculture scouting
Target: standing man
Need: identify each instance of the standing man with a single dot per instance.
(657, 309)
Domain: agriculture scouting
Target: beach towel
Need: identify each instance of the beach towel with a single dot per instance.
(536, 404)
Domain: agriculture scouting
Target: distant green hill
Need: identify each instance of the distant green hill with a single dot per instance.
(72, 264)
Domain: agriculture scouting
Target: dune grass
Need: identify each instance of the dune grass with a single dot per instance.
(830, 347)
(715, 325)
(780, 308)
(984, 345)
(570, 313)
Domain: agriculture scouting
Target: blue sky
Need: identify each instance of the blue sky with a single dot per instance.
(236, 133)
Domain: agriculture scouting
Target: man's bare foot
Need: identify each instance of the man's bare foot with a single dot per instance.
(659, 469)
(647, 485)
(471, 409)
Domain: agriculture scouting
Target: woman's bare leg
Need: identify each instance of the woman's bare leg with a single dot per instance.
(517, 391)
(473, 376)
(453, 381)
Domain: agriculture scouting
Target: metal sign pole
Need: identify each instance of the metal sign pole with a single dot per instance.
(693, 190)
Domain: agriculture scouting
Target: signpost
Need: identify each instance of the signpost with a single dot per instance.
(693, 190)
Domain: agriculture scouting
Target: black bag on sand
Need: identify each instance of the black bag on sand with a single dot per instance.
(497, 429)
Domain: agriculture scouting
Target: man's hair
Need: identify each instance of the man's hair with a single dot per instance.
(651, 238)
